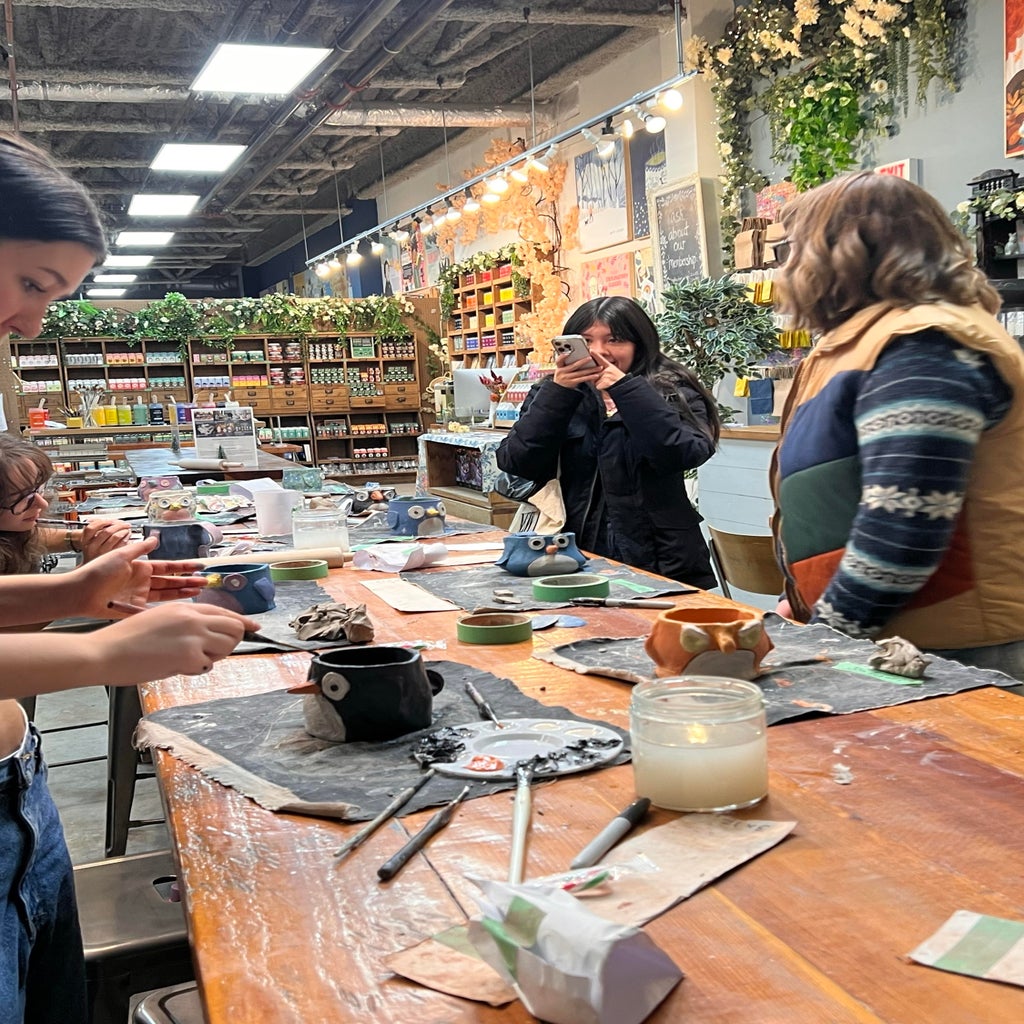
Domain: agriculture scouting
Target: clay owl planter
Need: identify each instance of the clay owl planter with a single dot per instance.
(371, 497)
(541, 554)
(149, 484)
(368, 694)
(244, 587)
(709, 642)
(171, 519)
(416, 517)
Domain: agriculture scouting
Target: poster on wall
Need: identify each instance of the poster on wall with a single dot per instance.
(645, 291)
(609, 275)
(391, 267)
(677, 232)
(648, 170)
(1013, 75)
(601, 197)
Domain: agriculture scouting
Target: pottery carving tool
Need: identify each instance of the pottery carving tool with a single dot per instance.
(520, 822)
(392, 808)
(482, 704)
(622, 602)
(391, 867)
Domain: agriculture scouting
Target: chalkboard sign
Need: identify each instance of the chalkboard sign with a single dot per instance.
(677, 232)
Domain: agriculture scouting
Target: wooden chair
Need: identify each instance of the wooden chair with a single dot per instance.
(747, 562)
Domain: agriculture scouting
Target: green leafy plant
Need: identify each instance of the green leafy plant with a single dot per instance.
(448, 279)
(710, 326)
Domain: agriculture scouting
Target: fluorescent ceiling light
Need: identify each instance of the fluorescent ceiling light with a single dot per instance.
(178, 156)
(269, 70)
(154, 205)
(128, 261)
(137, 238)
(105, 293)
(115, 278)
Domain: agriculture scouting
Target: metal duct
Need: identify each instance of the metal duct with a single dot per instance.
(410, 115)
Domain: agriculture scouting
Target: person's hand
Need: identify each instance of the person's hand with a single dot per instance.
(102, 535)
(569, 375)
(610, 373)
(173, 639)
(784, 609)
(126, 576)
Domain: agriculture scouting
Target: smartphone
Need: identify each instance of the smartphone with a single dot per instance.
(573, 345)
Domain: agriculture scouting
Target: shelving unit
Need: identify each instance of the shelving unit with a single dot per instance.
(483, 329)
(351, 400)
(1004, 271)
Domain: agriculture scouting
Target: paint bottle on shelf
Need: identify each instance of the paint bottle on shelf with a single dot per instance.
(156, 411)
(140, 412)
(110, 413)
(124, 413)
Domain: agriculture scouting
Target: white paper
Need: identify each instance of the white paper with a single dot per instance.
(228, 431)
(391, 557)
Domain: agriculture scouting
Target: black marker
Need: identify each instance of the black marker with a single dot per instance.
(611, 834)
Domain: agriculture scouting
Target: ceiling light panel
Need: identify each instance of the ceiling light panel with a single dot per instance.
(114, 278)
(195, 158)
(154, 205)
(105, 293)
(135, 239)
(128, 261)
(267, 70)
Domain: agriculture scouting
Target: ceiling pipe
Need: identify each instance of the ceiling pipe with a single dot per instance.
(352, 36)
(418, 22)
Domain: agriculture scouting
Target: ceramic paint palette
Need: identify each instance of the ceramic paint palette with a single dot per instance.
(561, 746)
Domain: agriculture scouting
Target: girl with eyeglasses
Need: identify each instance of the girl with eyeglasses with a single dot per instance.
(620, 431)
(50, 238)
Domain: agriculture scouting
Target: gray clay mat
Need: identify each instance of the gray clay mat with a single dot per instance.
(258, 746)
(473, 587)
(374, 529)
(813, 669)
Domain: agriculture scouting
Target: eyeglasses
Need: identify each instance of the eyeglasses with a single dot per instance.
(24, 501)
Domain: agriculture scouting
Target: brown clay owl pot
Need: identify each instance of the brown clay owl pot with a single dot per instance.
(708, 642)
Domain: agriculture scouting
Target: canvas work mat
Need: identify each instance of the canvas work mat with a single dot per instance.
(812, 669)
(258, 746)
(473, 589)
(374, 529)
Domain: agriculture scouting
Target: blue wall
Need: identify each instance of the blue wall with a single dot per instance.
(366, 279)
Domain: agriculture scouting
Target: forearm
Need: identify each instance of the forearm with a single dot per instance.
(36, 663)
(59, 541)
(37, 597)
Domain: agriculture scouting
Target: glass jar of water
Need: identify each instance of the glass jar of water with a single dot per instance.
(319, 528)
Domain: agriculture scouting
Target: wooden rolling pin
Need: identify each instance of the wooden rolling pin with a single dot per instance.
(334, 557)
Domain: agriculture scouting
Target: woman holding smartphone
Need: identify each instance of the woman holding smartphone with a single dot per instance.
(620, 427)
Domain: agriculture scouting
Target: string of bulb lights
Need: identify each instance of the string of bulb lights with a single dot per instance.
(641, 112)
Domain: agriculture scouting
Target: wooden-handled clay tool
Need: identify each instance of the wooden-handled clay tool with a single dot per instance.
(389, 812)
(622, 602)
(391, 867)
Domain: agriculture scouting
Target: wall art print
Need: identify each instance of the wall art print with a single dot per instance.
(1013, 75)
(601, 197)
(648, 170)
(645, 291)
(608, 275)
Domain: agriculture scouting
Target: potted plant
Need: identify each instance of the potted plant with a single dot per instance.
(712, 327)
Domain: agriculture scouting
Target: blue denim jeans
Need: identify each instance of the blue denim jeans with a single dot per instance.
(42, 969)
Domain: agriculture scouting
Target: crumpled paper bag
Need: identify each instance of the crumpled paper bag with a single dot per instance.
(568, 965)
(391, 557)
(333, 621)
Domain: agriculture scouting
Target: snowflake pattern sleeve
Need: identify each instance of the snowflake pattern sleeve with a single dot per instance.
(918, 416)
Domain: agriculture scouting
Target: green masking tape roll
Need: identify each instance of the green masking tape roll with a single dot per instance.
(565, 588)
(300, 569)
(494, 628)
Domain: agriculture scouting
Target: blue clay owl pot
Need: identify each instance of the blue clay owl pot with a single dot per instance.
(179, 540)
(149, 484)
(244, 587)
(422, 516)
(541, 554)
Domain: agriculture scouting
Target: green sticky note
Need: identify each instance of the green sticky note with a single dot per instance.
(988, 942)
(885, 677)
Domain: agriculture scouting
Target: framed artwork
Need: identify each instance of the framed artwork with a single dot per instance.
(645, 291)
(601, 197)
(1013, 75)
(648, 170)
(609, 275)
(678, 238)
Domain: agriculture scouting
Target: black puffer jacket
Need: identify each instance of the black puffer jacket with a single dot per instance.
(621, 475)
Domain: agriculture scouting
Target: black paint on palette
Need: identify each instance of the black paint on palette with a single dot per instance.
(812, 669)
(473, 587)
(264, 734)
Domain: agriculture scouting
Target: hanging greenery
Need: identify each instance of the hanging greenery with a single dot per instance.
(828, 75)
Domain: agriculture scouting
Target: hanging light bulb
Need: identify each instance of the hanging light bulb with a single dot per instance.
(543, 163)
(520, 173)
(606, 148)
(441, 219)
(323, 270)
(626, 128)
(377, 246)
(472, 204)
(490, 197)
(497, 184)
(654, 123)
(354, 257)
(671, 99)
(334, 264)
(401, 236)
(453, 215)
(427, 224)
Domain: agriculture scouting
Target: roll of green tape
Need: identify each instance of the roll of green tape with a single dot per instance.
(300, 569)
(565, 588)
(494, 628)
(213, 487)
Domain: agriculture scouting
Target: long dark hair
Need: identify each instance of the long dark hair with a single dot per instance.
(628, 321)
(40, 203)
(865, 238)
(21, 551)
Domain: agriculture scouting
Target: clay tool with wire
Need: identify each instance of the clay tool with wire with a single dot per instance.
(389, 812)
(391, 867)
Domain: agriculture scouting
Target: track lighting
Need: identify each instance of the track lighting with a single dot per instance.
(323, 270)
(671, 99)
(377, 246)
(519, 174)
(453, 215)
(654, 123)
(354, 257)
(490, 197)
(626, 128)
(498, 184)
(472, 204)
(427, 224)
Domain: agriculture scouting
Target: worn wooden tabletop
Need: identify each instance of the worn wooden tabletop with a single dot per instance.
(815, 930)
(161, 462)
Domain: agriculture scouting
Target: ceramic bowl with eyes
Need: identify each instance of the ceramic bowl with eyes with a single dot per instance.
(244, 587)
(421, 516)
(541, 554)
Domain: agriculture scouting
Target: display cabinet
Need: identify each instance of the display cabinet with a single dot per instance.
(484, 327)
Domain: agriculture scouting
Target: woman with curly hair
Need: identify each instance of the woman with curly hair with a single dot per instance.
(620, 430)
(899, 478)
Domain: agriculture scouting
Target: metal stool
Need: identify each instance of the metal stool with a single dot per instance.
(179, 1004)
(134, 938)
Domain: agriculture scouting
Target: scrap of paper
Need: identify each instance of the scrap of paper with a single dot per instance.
(407, 597)
(391, 557)
(977, 945)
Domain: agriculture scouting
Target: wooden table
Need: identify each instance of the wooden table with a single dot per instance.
(160, 462)
(815, 930)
